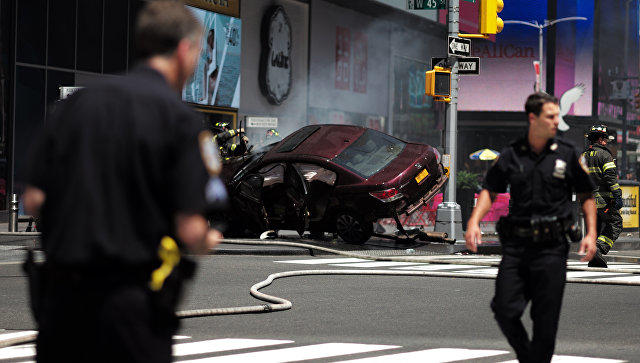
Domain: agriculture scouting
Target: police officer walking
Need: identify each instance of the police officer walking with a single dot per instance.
(118, 167)
(607, 193)
(542, 171)
(223, 137)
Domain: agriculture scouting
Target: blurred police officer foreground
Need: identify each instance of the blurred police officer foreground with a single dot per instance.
(118, 167)
(542, 171)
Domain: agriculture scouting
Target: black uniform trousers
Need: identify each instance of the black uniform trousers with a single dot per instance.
(609, 226)
(85, 318)
(536, 274)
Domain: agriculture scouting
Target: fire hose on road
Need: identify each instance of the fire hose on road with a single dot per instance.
(274, 303)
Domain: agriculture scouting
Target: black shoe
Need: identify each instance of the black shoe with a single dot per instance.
(598, 261)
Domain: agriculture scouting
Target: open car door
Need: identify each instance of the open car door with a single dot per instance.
(297, 199)
(248, 200)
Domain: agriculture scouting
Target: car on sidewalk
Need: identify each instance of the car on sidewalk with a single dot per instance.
(330, 178)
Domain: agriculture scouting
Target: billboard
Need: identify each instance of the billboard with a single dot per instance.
(506, 64)
(216, 79)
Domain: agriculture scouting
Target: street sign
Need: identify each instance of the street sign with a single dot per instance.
(466, 65)
(470, 65)
(459, 47)
(435, 61)
(426, 4)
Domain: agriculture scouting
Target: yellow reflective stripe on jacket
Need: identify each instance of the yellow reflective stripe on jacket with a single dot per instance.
(615, 186)
(608, 165)
(594, 169)
(233, 147)
(606, 240)
(603, 194)
(232, 132)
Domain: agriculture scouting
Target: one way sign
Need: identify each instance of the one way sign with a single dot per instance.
(466, 65)
(459, 47)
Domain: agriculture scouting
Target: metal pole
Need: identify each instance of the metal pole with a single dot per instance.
(448, 215)
(13, 213)
(540, 41)
(623, 162)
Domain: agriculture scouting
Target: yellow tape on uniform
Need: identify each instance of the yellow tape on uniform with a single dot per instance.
(606, 240)
(169, 254)
(608, 165)
(615, 186)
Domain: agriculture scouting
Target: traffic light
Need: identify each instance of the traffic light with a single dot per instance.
(437, 83)
(490, 23)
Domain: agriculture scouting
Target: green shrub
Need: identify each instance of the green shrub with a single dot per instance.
(467, 180)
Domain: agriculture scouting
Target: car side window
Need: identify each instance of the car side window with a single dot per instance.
(313, 172)
(272, 174)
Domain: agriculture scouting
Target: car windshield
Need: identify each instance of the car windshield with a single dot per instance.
(370, 153)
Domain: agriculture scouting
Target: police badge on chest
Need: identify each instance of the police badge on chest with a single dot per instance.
(559, 169)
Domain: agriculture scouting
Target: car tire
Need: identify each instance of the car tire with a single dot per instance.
(353, 227)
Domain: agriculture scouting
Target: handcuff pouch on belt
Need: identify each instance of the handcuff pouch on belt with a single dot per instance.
(539, 231)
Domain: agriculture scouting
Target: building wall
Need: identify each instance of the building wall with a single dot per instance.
(60, 43)
(292, 113)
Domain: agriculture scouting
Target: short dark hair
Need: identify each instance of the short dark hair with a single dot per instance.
(161, 25)
(536, 100)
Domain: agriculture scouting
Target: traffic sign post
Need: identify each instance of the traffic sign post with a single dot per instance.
(458, 47)
(448, 214)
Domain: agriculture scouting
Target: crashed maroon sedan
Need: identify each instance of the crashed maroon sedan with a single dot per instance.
(330, 178)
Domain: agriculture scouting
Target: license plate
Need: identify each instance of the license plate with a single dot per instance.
(423, 174)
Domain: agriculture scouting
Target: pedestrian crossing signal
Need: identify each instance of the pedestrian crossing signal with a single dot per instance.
(437, 82)
(490, 22)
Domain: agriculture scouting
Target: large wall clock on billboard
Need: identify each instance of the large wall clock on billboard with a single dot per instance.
(275, 60)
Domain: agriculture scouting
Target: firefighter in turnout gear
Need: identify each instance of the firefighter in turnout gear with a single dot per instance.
(223, 137)
(607, 194)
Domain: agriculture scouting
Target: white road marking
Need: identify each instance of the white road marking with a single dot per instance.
(18, 351)
(436, 267)
(180, 337)
(439, 355)
(315, 351)
(630, 278)
(221, 345)
(575, 359)
(322, 261)
(17, 334)
(374, 264)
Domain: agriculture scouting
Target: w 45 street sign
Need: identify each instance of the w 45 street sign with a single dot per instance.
(426, 4)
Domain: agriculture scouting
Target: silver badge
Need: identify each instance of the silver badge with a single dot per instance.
(560, 169)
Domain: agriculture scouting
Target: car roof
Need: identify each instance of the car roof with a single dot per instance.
(326, 142)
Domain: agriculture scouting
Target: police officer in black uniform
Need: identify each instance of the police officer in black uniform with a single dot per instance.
(607, 193)
(542, 171)
(118, 167)
(224, 136)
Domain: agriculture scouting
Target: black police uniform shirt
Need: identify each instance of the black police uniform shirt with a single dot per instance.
(540, 185)
(117, 161)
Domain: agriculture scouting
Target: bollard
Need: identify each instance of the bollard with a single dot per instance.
(13, 213)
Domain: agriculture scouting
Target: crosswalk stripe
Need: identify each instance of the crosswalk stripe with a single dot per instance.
(583, 274)
(221, 345)
(19, 351)
(322, 261)
(437, 267)
(575, 359)
(315, 351)
(439, 355)
(630, 278)
(373, 264)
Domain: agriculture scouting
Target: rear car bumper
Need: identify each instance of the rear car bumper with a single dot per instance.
(430, 194)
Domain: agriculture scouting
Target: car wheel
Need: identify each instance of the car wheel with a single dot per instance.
(353, 227)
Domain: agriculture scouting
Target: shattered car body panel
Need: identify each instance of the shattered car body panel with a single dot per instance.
(330, 178)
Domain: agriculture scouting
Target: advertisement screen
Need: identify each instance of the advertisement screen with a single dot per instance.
(507, 64)
(216, 80)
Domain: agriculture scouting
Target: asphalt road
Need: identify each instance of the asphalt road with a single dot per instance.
(377, 316)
